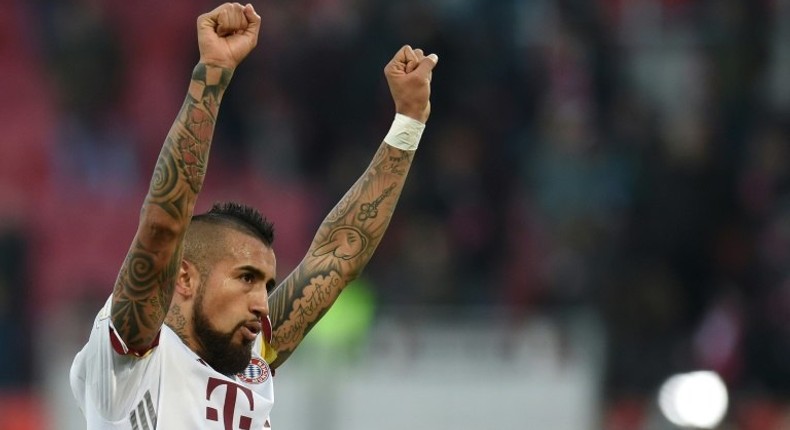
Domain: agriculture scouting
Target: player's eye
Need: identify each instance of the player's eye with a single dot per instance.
(248, 278)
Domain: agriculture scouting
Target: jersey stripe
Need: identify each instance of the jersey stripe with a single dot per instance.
(151, 411)
(139, 416)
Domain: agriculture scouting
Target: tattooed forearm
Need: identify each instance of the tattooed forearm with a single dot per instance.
(145, 284)
(342, 247)
(182, 163)
(307, 309)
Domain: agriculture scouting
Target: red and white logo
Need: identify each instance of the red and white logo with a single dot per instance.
(256, 372)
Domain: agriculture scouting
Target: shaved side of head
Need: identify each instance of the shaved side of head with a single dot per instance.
(205, 241)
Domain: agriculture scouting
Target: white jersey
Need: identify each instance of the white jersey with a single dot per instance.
(169, 388)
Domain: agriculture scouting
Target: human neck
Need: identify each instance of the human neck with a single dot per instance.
(177, 322)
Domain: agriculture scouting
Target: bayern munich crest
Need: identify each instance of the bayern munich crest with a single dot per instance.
(256, 372)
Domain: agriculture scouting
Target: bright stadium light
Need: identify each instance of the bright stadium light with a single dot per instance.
(694, 400)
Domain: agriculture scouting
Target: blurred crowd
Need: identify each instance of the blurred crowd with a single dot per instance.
(628, 157)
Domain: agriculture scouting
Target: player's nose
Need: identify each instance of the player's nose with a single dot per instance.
(259, 304)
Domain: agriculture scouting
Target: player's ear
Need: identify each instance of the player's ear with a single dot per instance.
(187, 279)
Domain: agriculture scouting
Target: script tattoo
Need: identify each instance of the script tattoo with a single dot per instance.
(398, 164)
(307, 309)
(343, 245)
(144, 288)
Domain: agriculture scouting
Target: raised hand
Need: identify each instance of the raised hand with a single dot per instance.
(409, 78)
(227, 34)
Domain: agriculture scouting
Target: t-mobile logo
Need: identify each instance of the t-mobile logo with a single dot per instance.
(229, 406)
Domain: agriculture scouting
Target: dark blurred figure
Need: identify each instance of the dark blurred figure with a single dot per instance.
(16, 334)
(86, 63)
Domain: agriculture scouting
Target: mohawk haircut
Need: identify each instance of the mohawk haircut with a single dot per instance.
(240, 217)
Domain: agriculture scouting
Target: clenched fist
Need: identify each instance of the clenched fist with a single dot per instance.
(227, 34)
(409, 79)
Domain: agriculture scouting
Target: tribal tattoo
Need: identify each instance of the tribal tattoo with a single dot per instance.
(343, 245)
(145, 284)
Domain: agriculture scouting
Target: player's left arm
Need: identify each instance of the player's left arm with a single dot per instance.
(348, 236)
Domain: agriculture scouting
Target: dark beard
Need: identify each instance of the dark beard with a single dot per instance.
(219, 351)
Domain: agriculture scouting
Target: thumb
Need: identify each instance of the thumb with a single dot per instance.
(427, 64)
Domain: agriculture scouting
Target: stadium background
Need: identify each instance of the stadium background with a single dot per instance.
(600, 200)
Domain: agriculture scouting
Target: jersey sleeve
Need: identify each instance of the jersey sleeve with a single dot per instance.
(105, 374)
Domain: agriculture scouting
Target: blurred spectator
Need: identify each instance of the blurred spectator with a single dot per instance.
(95, 143)
(15, 320)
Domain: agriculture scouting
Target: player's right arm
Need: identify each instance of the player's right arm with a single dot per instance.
(145, 284)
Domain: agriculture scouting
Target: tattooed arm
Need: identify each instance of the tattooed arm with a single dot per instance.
(349, 235)
(144, 287)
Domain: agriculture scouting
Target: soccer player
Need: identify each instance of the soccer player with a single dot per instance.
(185, 341)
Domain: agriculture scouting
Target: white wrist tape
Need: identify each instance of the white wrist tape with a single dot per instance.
(405, 133)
